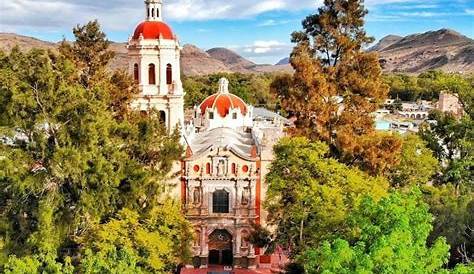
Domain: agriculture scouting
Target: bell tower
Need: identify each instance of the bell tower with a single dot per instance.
(154, 62)
(153, 10)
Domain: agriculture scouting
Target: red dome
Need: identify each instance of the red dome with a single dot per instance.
(153, 30)
(223, 102)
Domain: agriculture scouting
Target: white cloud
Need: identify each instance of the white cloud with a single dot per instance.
(123, 14)
(261, 48)
(469, 11)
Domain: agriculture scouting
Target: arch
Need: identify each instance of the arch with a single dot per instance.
(418, 116)
(148, 13)
(151, 74)
(234, 168)
(153, 13)
(162, 117)
(157, 12)
(220, 201)
(136, 73)
(208, 168)
(169, 74)
(220, 247)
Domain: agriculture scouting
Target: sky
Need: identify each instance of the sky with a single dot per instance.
(258, 30)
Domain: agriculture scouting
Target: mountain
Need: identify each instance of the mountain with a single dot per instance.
(386, 42)
(443, 49)
(233, 60)
(10, 40)
(195, 61)
(284, 61)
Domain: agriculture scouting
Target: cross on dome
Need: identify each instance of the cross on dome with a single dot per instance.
(223, 85)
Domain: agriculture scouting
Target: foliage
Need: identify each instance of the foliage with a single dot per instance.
(453, 210)
(309, 196)
(254, 89)
(37, 264)
(337, 85)
(156, 242)
(426, 86)
(452, 141)
(391, 237)
(75, 157)
(417, 165)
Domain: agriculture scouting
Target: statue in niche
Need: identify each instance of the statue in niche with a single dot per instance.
(221, 168)
(197, 196)
(246, 196)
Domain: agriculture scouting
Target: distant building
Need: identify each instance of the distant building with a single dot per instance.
(449, 103)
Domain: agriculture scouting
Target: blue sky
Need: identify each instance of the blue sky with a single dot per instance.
(259, 30)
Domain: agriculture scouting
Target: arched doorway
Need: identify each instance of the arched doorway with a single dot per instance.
(220, 248)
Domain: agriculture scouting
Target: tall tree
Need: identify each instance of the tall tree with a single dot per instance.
(310, 196)
(336, 85)
(71, 165)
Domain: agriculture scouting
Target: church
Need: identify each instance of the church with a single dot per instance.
(228, 148)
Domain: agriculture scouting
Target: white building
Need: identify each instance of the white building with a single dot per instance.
(229, 147)
(154, 61)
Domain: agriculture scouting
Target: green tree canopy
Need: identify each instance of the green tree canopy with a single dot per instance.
(71, 164)
(390, 237)
(417, 166)
(310, 196)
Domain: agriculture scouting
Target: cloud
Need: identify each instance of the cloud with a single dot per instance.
(272, 22)
(123, 14)
(261, 48)
(469, 11)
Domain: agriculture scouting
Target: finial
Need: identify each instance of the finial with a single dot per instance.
(223, 85)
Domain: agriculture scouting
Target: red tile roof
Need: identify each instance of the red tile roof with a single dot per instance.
(153, 30)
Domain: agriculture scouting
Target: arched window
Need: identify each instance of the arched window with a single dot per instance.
(220, 201)
(208, 168)
(136, 73)
(169, 74)
(148, 13)
(152, 12)
(151, 74)
(163, 117)
(234, 168)
(157, 12)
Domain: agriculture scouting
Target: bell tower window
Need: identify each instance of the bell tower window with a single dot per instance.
(169, 74)
(153, 13)
(151, 74)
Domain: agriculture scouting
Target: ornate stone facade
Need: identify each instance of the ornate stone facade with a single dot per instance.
(229, 147)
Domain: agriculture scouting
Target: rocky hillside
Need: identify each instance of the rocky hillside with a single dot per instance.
(10, 40)
(443, 49)
(234, 61)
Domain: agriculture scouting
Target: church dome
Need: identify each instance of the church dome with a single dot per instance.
(223, 101)
(153, 30)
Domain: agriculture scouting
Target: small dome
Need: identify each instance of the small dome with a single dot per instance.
(153, 30)
(223, 101)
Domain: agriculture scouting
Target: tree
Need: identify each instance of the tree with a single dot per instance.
(390, 237)
(451, 139)
(336, 85)
(417, 166)
(453, 210)
(71, 164)
(310, 196)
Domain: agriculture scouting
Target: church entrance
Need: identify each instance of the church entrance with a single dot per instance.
(220, 248)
